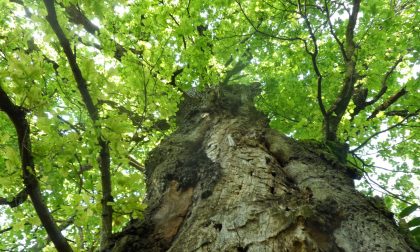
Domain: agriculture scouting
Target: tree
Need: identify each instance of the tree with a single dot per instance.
(224, 181)
(89, 88)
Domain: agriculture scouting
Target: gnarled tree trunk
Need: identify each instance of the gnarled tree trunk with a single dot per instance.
(224, 181)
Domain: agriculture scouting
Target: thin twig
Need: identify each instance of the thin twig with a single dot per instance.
(385, 130)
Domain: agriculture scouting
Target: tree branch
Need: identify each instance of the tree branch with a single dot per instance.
(5, 230)
(65, 44)
(338, 108)
(395, 196)
(19, 199)
(174, 75)
(385, 130)
(369, 180)
(134, 117)
(360, 100)
(402, 113)
(391, 100)
(384, 83)
(134, 163)
(64, 225)
(314, 56)
(76, 16)
(104, 155)
(18, 117)
(73, 127)
(351, 25)
(257, 30)
(330, 25)
(238, 67)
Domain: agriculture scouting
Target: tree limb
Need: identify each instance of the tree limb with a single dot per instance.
(338, 108)
(402, 113)
(73, 127)
(19, 199)
(391, 100)
(64, 225)
(369, 180)
(330, 25)
(238, 67)
(257, 30)
(76, 16)
(174, 75)
(18, 116)
(104, 155)
(134, 163)
(134, 117)
(384, 83)
(361, 104)
(314, 55)
(65, 44)
(385, 130)
(5, 230)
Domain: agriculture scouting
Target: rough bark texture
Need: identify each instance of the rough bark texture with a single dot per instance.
(224, 181)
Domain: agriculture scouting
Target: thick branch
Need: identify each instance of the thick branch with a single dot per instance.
(384, 84)
(104, 156)
(65, 44)
(402, 113)
(238, 67)
(351, 25)
(360, 98)
(18, 116)
(174, 75)
(64, 225)
(338, 108)
(19, 199)
(76, 16)
(391, 100)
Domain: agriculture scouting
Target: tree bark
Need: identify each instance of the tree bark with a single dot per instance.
(224, 181)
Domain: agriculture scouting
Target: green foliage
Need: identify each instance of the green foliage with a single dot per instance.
(408, 210)
(412, 227)
(414, 222)
(128, 52)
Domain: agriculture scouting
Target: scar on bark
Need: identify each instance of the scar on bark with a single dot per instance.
(172, 210)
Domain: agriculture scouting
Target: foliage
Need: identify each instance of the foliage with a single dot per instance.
(135, 60)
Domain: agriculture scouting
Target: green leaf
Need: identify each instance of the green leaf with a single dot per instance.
(408, 210)
(414, 222)
(415, 232)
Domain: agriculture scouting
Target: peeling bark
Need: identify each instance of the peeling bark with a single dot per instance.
(224, 181)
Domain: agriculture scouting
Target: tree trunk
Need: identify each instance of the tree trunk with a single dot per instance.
(224, 181)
